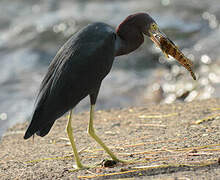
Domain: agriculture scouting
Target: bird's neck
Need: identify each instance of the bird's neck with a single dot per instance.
(128, 39)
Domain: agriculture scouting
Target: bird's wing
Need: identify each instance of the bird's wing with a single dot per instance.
(77, 70)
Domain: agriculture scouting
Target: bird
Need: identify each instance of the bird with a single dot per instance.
(77, 71)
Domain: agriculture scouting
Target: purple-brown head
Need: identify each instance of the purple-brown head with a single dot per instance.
(132, 30)
(142, 22)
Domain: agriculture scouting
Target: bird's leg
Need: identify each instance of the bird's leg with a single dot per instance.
(71, 138)
(92, 133)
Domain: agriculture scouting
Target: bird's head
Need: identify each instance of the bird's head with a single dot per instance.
(148, 27)
(134, 27)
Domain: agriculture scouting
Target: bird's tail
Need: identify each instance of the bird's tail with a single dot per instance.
(38, 125)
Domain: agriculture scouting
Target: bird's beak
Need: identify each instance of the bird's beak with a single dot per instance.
(156, 34)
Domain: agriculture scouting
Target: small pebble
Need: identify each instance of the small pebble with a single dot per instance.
(108, 163)
(131, 155)
(194, 151)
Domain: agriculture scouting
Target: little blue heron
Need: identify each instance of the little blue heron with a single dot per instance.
(78, 69)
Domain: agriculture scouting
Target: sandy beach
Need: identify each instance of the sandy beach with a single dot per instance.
(175, 141)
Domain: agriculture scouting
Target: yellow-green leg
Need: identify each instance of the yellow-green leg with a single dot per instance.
(71, 138)
(91, 132)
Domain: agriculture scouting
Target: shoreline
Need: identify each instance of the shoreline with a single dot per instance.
(169, 140)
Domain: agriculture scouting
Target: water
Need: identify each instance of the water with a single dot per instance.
(31, 32)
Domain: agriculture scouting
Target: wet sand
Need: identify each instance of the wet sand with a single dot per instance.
(175, 141)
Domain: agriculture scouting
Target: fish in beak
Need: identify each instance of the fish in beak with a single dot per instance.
(169, 48)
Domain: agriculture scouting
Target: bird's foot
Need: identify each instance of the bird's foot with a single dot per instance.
(81, 167)
(103, 163)
(113, 162)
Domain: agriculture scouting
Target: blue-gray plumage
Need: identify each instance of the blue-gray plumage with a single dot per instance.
(78, 69)
(73, 74)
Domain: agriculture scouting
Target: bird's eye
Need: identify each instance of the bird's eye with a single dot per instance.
(154, 27)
